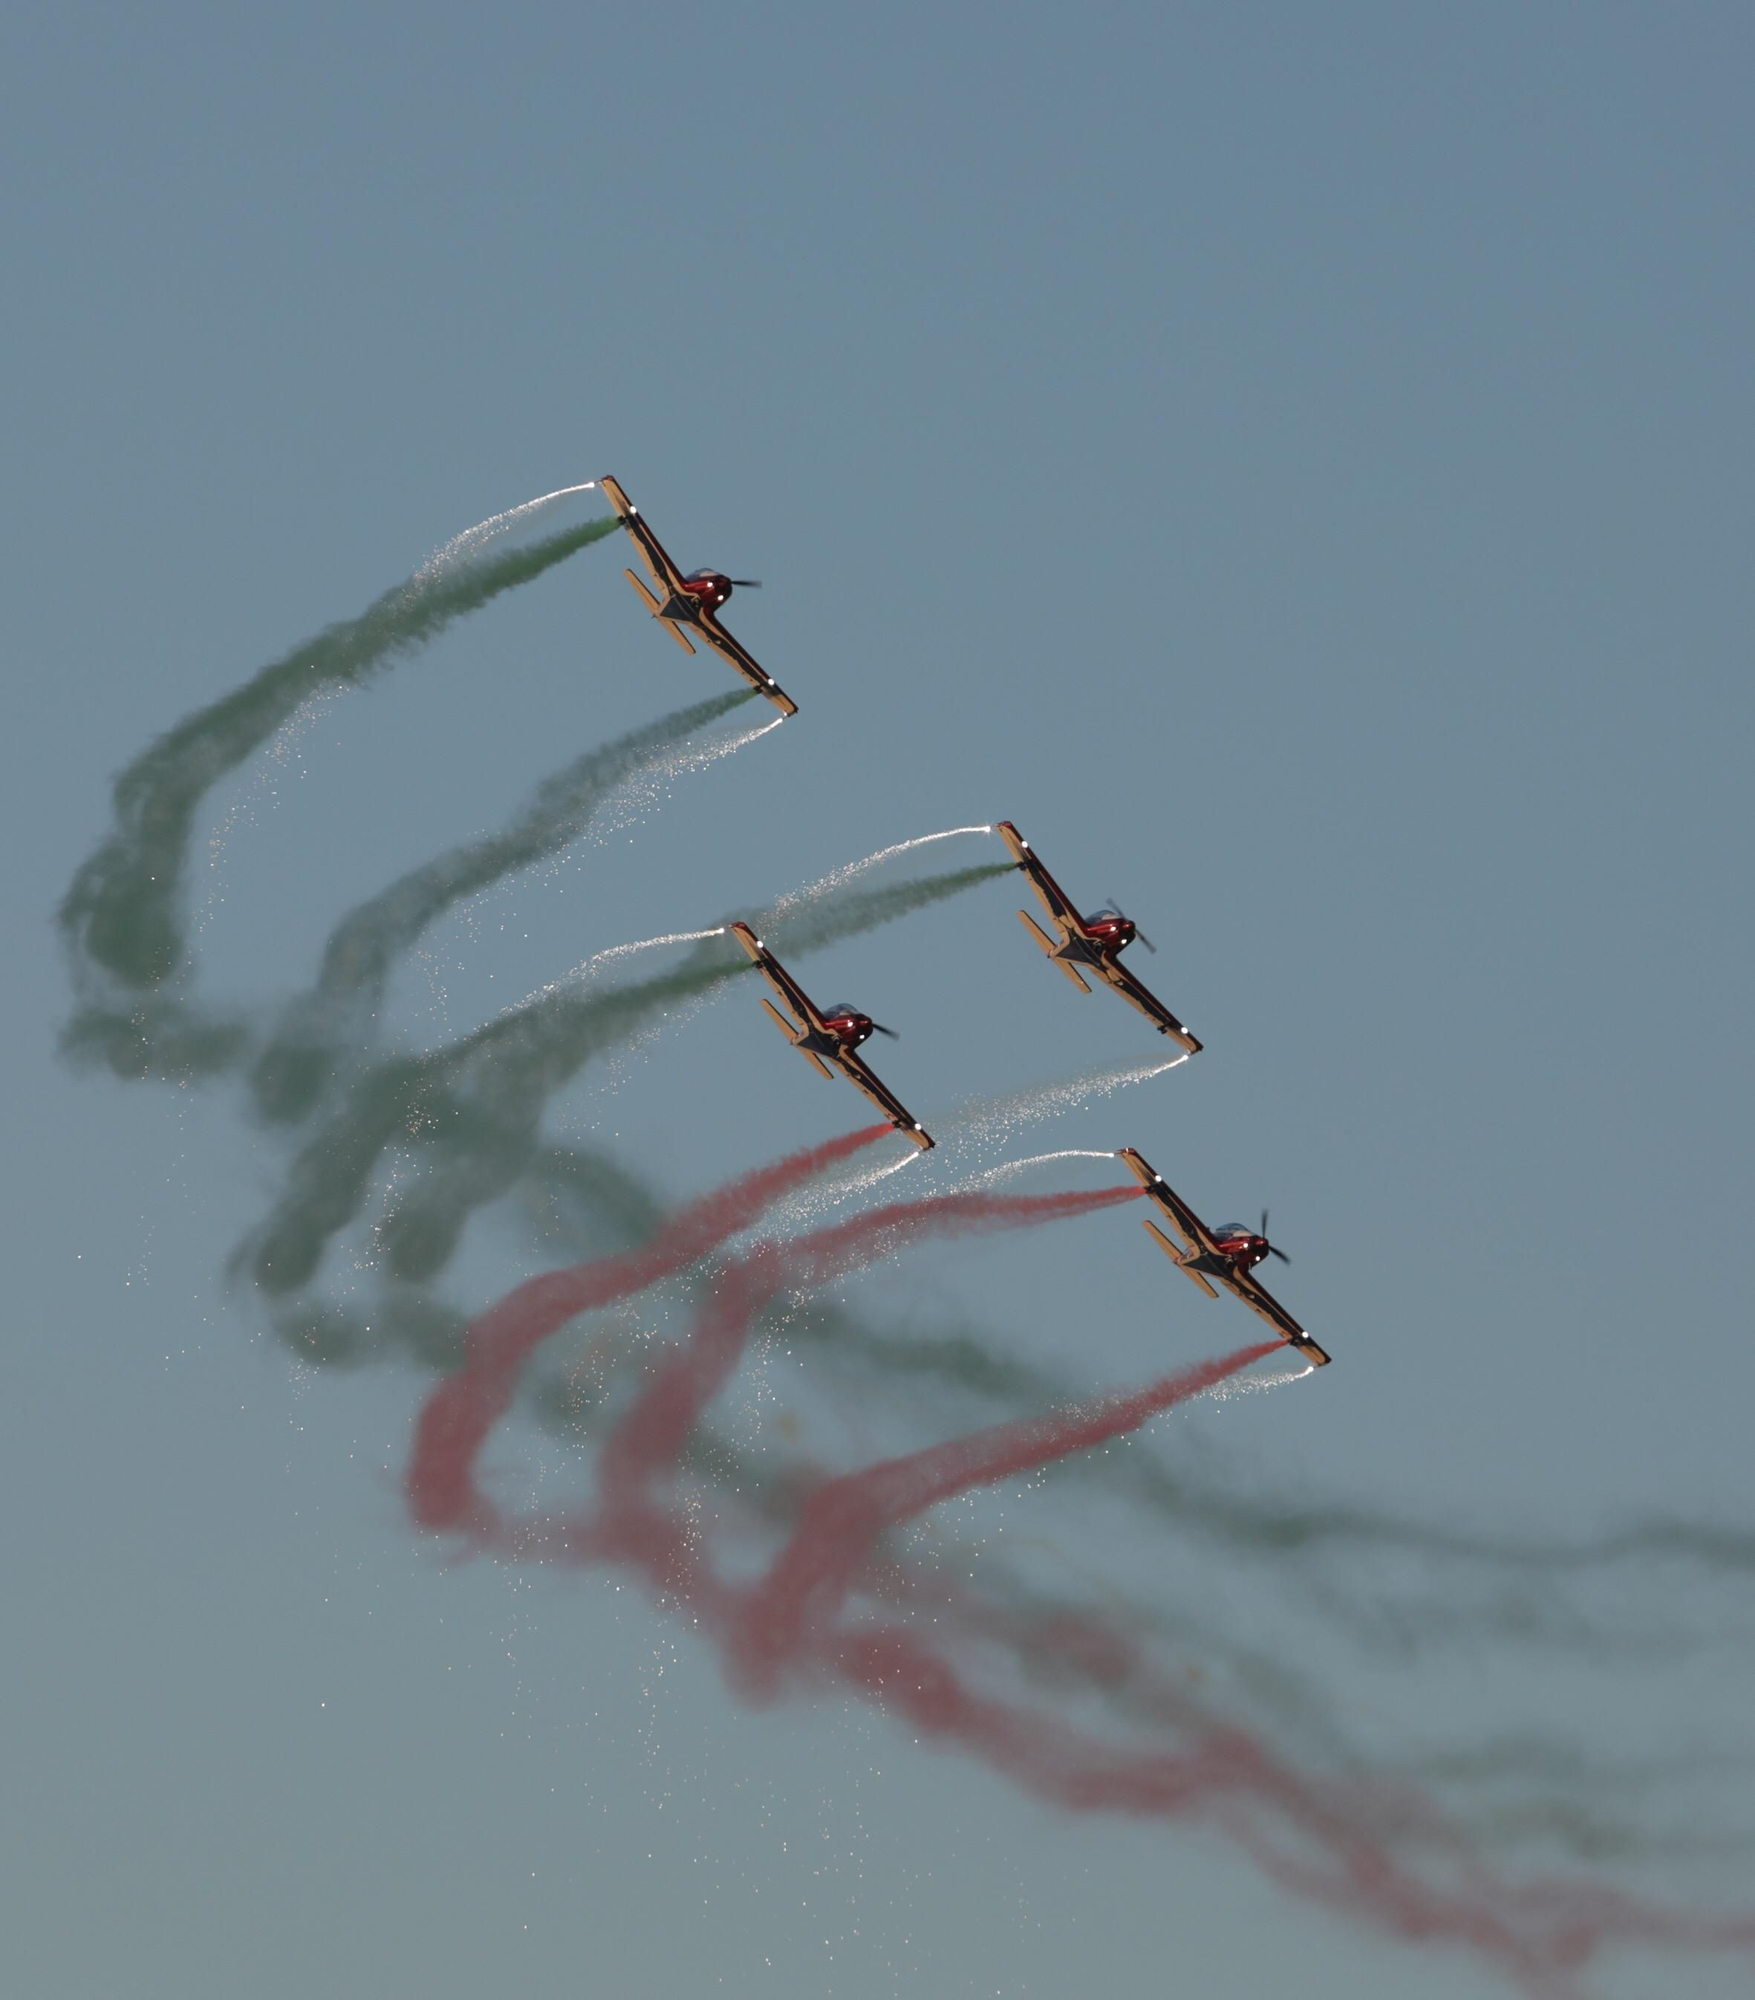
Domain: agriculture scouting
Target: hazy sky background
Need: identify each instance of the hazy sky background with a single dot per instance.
(1296, 463)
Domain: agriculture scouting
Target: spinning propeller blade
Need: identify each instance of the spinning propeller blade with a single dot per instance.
(1272, 1252)
(744, 582)
(1139, 935)
(878, 1028)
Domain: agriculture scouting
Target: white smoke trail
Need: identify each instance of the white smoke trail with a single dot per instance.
(639, 794)
(815, 1199)
(464, 547)
(1247, 1384)
(587, 970)
(982, 1122)
(992, 1175)
(813, 892)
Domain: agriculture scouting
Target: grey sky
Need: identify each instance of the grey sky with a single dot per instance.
(1296, 463)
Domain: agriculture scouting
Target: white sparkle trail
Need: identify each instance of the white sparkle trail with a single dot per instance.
(587, 970)
(464, 547)
(813, 892)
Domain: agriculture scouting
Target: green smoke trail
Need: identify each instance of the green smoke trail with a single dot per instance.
(121, 915)
(297, 1067)
(474, 1108)
(161, 1037)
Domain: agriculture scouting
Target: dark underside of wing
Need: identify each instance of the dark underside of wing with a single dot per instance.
(885, 1099)
(1054, 898)
(789, 990)
(652, 549)
(1260, 1300)
(1146, 1001)
(1183, 1219)
(757, 675)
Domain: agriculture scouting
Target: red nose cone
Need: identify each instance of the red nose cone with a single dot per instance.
(850, 1029)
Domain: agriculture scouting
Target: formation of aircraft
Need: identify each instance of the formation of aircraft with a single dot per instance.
(1084, 947)
(692, 600)
(830, 1035)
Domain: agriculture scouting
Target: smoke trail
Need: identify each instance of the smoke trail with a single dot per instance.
(843, 1520)
(1531, 1792)
(986, 1121)
(462, 1411)
(1352, 1844)
(458, 1416)
(655, 1429)
(1010, 1168)
(297, 1067)
(509, 1080)
(121, 913)
(475, 1107)
(1349, 1843)
(1301, 1534)
(463, 547)
(638, 795)
(584, 973)
(838, 878)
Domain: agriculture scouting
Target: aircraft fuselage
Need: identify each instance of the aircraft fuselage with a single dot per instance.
(1242, 1249)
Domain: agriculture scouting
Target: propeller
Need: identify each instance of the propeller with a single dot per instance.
(744, 582)
(1272, 1252)
(878, 1028)
(1139, 935)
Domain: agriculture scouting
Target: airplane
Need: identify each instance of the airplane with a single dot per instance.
(1229, 1253)
(692, 600)
(1094, 942)
(830, 1037)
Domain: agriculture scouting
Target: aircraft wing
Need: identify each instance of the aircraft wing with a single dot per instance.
(650, 547)
(778, 977)
(1186, 1223)
(1260, 1300)
(885, 1099)
(758, 676)
(1054, 898)
(1148, 1003)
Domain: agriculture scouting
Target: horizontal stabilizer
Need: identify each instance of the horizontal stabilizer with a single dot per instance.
(651, 603)
(1179, 1259)
(788, 1028)
(1050, 948)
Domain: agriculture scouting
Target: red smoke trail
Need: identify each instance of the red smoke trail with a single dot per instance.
(651, 1436)
(1339, 1842)
(842, 1520)
(463, 1409)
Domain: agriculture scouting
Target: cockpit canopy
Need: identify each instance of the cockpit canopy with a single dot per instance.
(1233, 1229)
